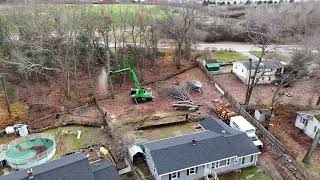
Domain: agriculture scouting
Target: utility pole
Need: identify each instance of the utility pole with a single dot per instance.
(3, 82)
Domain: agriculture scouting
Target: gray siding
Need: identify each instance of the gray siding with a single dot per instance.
(184, 176)
(206, 169)
(150, 164)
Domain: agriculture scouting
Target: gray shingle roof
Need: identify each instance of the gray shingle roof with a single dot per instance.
(265, 64)
(179, 153)
(72, 167)
(217, 125)
(103, 169)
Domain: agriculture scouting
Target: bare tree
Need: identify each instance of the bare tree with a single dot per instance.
(178, 24)
(4, 87)
(313, 146)
(262, 29)
(294, 72)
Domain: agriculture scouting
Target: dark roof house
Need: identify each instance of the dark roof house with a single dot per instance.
(199, 150)
(72, 167)
(264, 64)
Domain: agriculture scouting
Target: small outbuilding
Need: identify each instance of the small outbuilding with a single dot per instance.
(269, 70)
(211, 64)
(308, 121)
(136, 153)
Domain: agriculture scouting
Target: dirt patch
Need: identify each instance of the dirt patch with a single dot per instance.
(129, 110)
(301, 94)
(296, 142)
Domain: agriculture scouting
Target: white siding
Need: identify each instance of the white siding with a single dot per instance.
(309, 124)
(267, 76)
(239, 70)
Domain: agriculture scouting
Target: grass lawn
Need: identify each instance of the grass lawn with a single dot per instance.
(266, 55)
(165, 132)
(226, 56)
(248, 173)
(66, 138)
(117, 10)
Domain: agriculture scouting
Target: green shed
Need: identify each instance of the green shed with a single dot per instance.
(213, 66)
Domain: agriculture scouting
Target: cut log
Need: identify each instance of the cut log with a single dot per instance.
(185, 105)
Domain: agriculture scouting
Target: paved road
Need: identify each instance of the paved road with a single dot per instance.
(244, 47)
(240, 47)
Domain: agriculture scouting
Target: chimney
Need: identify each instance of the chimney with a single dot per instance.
(30, 175)
(194, 141)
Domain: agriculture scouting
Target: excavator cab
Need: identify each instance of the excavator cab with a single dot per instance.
(138, 94)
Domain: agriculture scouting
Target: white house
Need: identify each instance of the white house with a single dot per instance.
(217, 150)
(269, 70)
(308, 121)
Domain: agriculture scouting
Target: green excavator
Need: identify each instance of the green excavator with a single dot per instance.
(138, 94)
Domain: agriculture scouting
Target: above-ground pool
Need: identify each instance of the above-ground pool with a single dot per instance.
(30, 151)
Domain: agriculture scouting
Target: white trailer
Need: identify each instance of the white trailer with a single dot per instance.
(241, 124)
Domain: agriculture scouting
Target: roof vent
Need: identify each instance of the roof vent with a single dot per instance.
(223, 131)
(194, 141)
(30, 175)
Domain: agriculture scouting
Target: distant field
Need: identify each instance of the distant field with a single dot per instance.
(117, 10)
(226, 56)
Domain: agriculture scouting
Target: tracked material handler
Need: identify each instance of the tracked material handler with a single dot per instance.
(138, 94)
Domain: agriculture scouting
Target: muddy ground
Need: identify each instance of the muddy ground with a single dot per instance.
(122, 111)
(296, 142)
(300, 94)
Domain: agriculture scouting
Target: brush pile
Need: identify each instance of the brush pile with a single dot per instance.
(182, 97)
(195, 85)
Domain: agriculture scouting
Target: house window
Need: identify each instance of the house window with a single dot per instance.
(262, 78)
(222, 163)
(236, 160)
(303, 121)
(192, 171)
(228, 162)
(174, 176)
(315, 129)
(214, 165)
(251, 158)
(247, 159)
(269, 78)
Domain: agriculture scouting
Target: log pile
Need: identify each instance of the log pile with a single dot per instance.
(182, 97)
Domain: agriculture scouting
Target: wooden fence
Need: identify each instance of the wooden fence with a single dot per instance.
(270, 137)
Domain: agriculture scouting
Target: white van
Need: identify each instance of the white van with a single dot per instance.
(241, 124)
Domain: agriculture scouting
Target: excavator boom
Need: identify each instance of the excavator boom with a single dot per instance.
(139, 94)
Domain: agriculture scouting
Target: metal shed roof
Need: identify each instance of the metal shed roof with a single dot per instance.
(133, 150)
